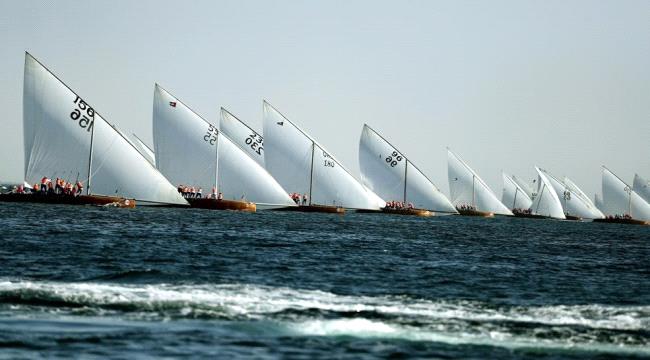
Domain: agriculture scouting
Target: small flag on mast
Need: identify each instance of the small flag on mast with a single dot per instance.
(172, 103)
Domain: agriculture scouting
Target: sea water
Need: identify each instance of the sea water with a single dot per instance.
(147, 282)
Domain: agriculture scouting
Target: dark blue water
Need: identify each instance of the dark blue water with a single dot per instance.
(177, 282)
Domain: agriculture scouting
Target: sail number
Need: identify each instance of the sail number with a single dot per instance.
(328, 162)
(210, 135)
(256, 142)
(84, 114)
(393, 159)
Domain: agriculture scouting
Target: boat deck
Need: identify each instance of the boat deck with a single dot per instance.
(571, 217)
(529, 215)
(97, 200)
(485, 214)
(315, 208)
(214, 204)
(623, 221)
(407, 212)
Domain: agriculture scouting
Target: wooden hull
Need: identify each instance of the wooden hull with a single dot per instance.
(214, 204)
(623, 221)
(98, 200)
(315, 208)
(485, 214)
(529, 216)
(407, 212)
(571, 217)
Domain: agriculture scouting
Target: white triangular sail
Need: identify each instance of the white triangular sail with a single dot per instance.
(243, 135)
(546, 201)
(467, 188)
(65, 137)
(514, 196)
(573, 187)
(599, 203)
(642, 187)
(302, 165)
(525, 186)
(144, 149)
(572, 202)
(392, 176)
(620, 199)
(192, 152)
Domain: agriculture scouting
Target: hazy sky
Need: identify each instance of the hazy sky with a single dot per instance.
(564, 85)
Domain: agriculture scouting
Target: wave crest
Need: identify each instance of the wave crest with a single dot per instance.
(318, 313)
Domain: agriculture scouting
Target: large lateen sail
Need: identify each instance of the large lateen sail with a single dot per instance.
(243, 135)
(302, 165)
(144, 149)
(620, 199)
(525, 186)
(596, 213)
(467, 188)
(394, 177)
(546, 201)
(599, 204)
(65, 137)
(192, 152)
(571, 200)
(514, 196)
(642, 187)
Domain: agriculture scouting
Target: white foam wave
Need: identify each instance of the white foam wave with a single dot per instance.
(590, 327)
(255, 301)
(362, 328)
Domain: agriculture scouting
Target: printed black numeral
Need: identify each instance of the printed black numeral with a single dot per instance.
(85, 122)
(210, 135)
(254, 140)
(75, 114)
(393, 159)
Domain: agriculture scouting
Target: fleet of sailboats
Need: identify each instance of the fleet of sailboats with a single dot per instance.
(235, 167)
(621, 203)
(576, 206)
(192, 152)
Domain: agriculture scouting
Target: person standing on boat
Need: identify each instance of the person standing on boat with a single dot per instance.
(220, 196)
(304, 199)
(80, 188)
(44, 181)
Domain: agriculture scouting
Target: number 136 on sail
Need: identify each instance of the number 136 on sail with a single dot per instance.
(86, 122)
